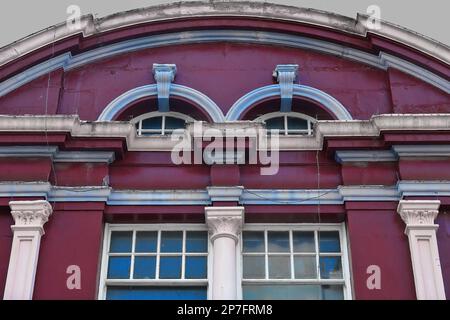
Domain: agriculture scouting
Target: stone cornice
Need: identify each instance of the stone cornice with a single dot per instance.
(90, 26)
(322, 129)
(205, 197)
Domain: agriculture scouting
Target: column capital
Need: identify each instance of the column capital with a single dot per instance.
(30, 214)
(418, 212)
(224, 221)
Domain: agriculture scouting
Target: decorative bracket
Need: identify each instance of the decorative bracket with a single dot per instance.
(286, 75)
(164, 75)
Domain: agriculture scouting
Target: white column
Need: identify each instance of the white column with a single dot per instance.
(419, 216)
(29, 217)
(225, 225)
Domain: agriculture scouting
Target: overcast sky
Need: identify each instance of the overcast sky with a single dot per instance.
(19, 18)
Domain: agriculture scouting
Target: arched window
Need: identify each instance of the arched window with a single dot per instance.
(160, 123)
(288, 123)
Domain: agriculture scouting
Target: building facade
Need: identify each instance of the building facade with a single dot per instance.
(329, 179)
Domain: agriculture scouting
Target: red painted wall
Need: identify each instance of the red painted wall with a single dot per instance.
(71, 238)
(6, 235)
(376, 237)
(443, 238)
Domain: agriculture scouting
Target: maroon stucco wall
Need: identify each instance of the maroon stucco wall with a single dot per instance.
(443, 238)
(376, 237)
(6, 236)
(71, 238)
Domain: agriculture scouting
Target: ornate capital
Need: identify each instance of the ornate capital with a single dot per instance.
(30, 213)
(286, 74)
(224, 221)
(418, 212)
(164, 75)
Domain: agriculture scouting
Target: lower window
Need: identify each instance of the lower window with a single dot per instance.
(162, 262)
(304, 262)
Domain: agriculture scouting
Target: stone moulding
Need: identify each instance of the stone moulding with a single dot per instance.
(89, 26)
(322, 129)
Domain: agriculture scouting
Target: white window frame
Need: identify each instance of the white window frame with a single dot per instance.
(285, 115)
(340, 227)
(104, 282)
(163, 131)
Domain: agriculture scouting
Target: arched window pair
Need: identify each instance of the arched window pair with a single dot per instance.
(164, 123)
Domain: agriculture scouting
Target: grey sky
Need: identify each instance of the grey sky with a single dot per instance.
(19, 18)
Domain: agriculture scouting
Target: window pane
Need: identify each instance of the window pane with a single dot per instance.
(279, 267)
(121, 241)
(278, 241)
(146, 241)
(144, 267)
(174, 123)
(253, 241)
(303, 241)
(305, 267)
(254, 267)
(171, 241)
(330, 268)
(297, 124)
(275, 123)
(277, 292)
(196, 241)
(329, 241)
(119, 267)
(332, 292)
(152, 123)
(195, 268)
(155, 293)
(170, 268)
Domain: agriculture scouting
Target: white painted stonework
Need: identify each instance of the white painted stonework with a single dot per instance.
(225, 225)
(419, 216)
(29, 217)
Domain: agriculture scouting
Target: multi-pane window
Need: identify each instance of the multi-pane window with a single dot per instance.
(288, 123)
(156, 263)
(293, 263)
(160, 123)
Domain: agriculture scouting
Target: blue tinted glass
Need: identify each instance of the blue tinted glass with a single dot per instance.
(170, 268)
(275, 123)
(121, 241)
(278, 241)
(195, 268)
(253, 241)
(277, 292)
(297, 124)
(303, 241)
(144, 267)
(146, 241)
(330, 292)
(196, 241)
(156, 293)
(171, 241)
(329, 241)
(330, 268)
(279, 267)
(174, 123)
(152, 123)
(254, 267)
(305, 267)
(119, 267)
